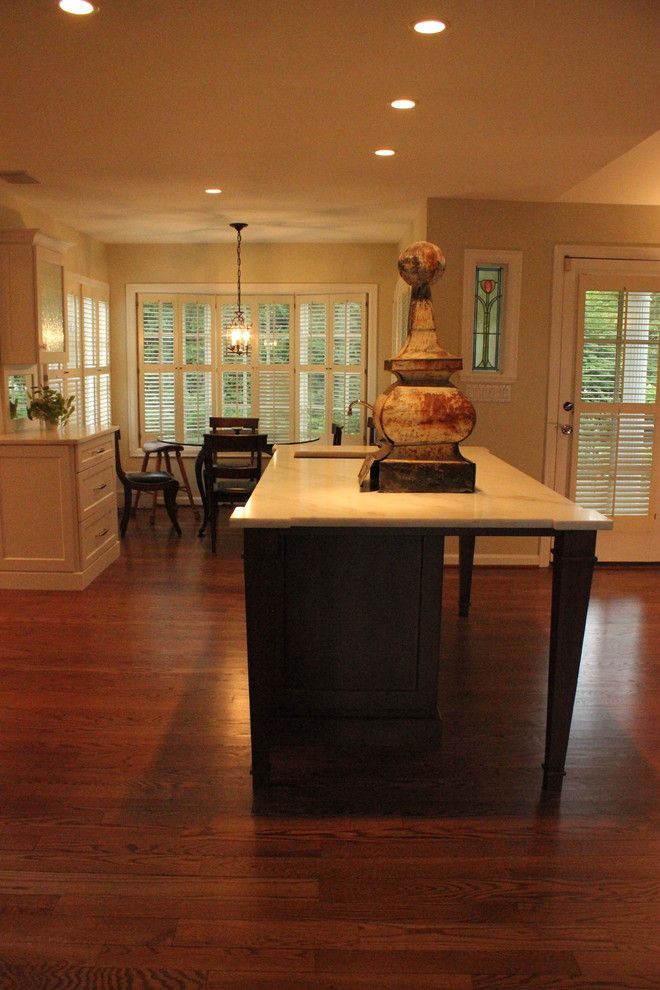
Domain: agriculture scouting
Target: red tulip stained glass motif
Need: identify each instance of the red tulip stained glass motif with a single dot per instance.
(487, 328)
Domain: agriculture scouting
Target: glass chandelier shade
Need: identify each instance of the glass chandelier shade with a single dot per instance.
(238, 331)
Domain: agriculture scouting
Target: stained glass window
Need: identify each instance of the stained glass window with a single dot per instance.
(488, 306)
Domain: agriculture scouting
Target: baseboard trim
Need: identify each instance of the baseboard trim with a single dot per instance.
(58, 580)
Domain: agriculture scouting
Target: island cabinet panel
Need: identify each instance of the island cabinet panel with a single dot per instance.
(337, 583)
(346, 647)
(58, 508)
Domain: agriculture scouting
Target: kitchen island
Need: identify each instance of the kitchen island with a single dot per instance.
(344, 595)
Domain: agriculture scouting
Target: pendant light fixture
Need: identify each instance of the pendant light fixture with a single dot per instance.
(238, 331)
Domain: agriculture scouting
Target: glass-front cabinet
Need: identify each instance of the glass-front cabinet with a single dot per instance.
(32, 323)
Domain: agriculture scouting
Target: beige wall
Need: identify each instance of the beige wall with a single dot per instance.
(86, 256)
(516, 431)
(260, 263)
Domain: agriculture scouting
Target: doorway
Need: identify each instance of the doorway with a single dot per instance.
(604, 420)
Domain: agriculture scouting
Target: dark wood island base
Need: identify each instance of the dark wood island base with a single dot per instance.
(343, 630)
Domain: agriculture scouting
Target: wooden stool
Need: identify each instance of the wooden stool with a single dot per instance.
(162, 449)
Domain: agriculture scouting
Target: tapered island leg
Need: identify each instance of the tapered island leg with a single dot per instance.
(465, 565)
(573, 564)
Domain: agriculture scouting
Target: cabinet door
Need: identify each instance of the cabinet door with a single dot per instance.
(18, 317)
(51, 328)
(32, 325)
(37, 508)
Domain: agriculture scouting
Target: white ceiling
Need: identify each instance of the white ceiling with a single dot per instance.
(126, 116)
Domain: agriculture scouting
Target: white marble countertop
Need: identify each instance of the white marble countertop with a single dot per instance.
(38, 434)
(316, 485)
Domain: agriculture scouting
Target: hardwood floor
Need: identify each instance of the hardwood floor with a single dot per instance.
(131, 855)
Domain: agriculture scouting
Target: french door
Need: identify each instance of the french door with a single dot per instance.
(608, 445)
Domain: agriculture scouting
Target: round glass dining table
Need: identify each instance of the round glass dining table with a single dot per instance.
(197, 440)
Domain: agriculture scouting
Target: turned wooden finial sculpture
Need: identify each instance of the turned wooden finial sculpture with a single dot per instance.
(422, 417)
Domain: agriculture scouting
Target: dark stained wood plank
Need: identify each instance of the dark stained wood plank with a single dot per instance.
(54, 977)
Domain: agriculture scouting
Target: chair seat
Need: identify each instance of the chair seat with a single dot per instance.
(155, 478)
(161, 447)
(233, 491)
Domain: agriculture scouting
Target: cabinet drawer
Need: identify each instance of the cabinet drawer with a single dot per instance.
(94, 451)
(96, 489)
(97, 534)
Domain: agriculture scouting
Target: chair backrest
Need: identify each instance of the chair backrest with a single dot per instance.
(234, 422)
(252, 445)
(119, 469)
(337, 431)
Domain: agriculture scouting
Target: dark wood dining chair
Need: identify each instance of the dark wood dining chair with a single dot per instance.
(230, 480)
(145, 481)
(234, 423)
(337, 431)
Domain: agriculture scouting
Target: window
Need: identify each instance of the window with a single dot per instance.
(307, 361)
(86, 374)
(491, 311)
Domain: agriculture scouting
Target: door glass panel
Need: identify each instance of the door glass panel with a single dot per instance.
(236, 393)
(158, 332)
(196, 318)
(313, 327)
(345, 389)
(275, 389)
(620, 356)
(347, 330)
(615, 463)
(159, 407)
(311, 401)
(197, 404)
(274, 333)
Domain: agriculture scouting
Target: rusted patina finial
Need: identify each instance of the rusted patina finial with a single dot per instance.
(422, 417)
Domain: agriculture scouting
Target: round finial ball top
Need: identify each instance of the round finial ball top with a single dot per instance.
(421, 263)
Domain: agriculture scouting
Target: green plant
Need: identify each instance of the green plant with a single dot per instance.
(50, 405)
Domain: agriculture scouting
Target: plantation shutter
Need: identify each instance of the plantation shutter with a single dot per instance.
(306, 363)
(197, 325)
(615, 455)
(332, 347)
(348, 361)
(158, 409)
(313, 326)
(86, 373)
(274, 367)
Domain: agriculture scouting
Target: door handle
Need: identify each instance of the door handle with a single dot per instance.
(566, 430)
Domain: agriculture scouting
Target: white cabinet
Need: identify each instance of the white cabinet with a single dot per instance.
(58, 508)
(32, 322)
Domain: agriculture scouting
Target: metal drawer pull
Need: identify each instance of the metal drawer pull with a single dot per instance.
(99, 488)
(101, 450)
(102, 533)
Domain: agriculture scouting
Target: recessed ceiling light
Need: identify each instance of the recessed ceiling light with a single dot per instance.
(403, 104)
(213, 192)
(77, 6)
(429, 27)
(385, 152)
